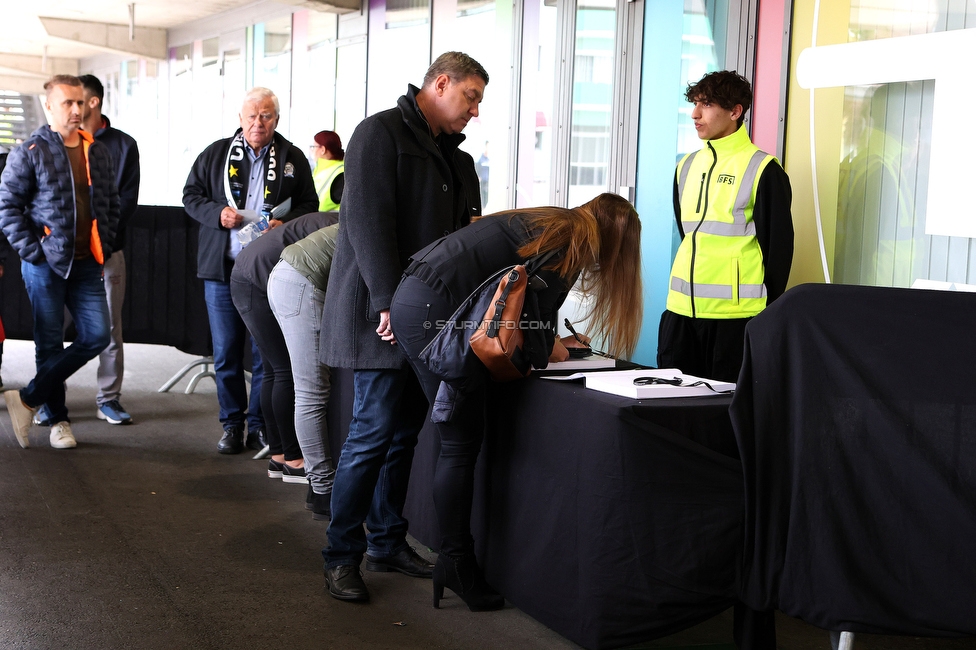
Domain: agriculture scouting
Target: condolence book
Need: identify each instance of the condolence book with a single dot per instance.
(622, 382)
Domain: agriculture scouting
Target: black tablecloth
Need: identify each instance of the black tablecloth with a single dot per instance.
(163, 297)
(856, 420)
(610, 520)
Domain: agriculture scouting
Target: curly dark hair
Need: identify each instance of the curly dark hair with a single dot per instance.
(726, 88)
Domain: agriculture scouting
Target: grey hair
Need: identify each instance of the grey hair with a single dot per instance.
(258, 93)
(458, 66)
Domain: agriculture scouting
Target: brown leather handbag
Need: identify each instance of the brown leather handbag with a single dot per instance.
(489, 323)
(499, 341)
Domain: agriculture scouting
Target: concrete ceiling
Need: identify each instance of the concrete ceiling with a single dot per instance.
(44, 37)
(23, 32)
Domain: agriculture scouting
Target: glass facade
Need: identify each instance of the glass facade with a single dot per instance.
(703, 48)
(399, 50)
(536, 96)
(872, 149)
(589, 151)
(483, 30)
(313, 104)
(330, 70)
(886, 141)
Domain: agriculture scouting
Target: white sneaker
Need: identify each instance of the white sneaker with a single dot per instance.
(21, 416)
(61, 436)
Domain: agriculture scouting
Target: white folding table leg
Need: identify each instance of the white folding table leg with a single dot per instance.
(202, 361)
(842, 641)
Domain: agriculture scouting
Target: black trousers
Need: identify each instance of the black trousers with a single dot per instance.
(278, 387)
(416, 315)
(704, 347)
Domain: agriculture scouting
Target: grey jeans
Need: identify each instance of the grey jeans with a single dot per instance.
(297, 305)
(111, 362)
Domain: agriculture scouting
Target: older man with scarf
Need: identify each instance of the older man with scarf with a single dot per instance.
(255, 173)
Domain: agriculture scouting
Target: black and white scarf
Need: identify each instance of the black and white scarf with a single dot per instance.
(234, 181)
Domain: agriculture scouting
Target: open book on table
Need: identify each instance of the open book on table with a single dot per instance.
(621, 382)
(591, 362)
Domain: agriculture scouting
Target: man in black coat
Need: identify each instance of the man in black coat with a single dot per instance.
(407, 184)
(233, 183)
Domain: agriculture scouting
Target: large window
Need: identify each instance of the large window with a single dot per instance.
(536, 99)
(483, 30)
(184, 142)
(399, 49)
(208, 96)
(233, 84)
(703, 46)
(589, 151)
(531, 142)
(313, 89)
(131, 101)
(886, 142)
(272, 63)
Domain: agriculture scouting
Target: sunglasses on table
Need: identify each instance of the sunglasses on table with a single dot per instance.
(675, 381)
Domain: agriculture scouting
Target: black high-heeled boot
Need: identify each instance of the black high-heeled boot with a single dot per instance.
(462, 575)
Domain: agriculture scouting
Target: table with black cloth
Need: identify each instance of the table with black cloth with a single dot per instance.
(610, 520)
(856, 419)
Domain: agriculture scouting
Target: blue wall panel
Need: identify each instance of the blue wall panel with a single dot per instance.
(656, 146)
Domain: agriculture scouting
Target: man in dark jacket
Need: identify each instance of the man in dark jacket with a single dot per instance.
(407, 184)
(125, 161)
(233, 183)
(125, 156)
(59, 208)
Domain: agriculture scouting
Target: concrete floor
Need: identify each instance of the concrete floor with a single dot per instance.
(144, 537)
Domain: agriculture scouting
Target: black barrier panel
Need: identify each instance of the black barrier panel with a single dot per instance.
(164, 302)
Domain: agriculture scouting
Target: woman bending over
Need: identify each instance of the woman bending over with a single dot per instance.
(597, 244)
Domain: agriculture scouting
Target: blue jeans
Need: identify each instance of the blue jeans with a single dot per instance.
(83, 293)
(229, 336)
(374, 467)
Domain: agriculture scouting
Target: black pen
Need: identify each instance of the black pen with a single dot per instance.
(576, 336)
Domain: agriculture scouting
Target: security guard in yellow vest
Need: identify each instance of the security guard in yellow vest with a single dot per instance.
(732, 206)
(329, 171)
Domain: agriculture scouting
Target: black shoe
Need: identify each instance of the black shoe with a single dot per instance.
(346, 583)
(255, 439)
(462, 575)
(406, 562)
(232, 442)
(319, 504)
(291, 474)
(274, 468)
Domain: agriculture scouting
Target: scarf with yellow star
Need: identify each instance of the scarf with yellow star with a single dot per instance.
(234, 180)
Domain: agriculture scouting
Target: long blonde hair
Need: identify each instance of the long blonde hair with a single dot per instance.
(601, 240)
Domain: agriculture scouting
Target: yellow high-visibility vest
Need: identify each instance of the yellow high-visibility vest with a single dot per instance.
(323, 175)
(718, 270)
